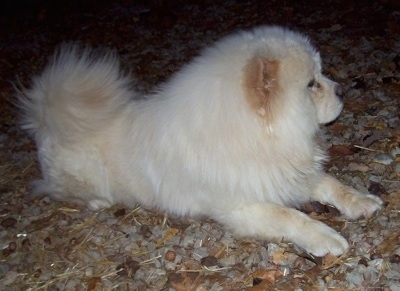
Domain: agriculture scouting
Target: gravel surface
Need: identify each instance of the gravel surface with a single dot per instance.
(46, 245)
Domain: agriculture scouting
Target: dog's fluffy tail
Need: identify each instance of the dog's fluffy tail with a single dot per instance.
(78, 93)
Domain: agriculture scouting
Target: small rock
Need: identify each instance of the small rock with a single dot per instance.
(198, 243)
(383, 112)
(102, 216)
(228, 261)
(383, 159)
(377, 264)
(397, 168)
(200, 253)
(111, 221)
(356, 276)
(89, 272)
(4, 268)
(394, 275)
(395, 152)
(358, 167)
(264, 254)
(95, 255)
(393, 287)
(169, 265)
(10, 277)
(151, 246)
(353, 93)
(251, 260)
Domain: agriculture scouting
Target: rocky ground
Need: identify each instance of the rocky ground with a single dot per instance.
(46, 245)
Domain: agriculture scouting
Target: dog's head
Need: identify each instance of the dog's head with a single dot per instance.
(287, 77)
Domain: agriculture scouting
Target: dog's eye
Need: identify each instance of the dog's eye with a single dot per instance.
(313, 85)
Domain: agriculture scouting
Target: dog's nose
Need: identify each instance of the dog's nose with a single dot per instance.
(339, 91)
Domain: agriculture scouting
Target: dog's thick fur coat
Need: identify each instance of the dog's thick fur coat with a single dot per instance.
(231, 136)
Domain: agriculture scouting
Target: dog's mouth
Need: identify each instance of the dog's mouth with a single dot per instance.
(337, 110)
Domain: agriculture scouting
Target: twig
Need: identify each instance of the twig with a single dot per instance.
(364, 148)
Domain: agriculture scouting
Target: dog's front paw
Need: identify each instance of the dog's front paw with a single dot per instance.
(347, 200)
(361, 205)
(319, 239)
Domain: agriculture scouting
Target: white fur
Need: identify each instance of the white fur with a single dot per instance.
(195, 147)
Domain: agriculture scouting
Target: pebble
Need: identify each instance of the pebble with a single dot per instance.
(102, 216)
(353, 93)
(395, 286)
(383, 112)
(264, 254)
(383, 158)
(252, 259)
(95, 255)
(9, 278)
(397, 168)
(156, 262)
(392, 274)
(178, 259)
(377, 263)
(358, 167)
(198, 243)
(200, 253)
(395, 151)
(187, 241)
(36, 211)
(158, 232)
(228, 261)
(89, 272)
(170, 266)
(227, 239)
(4, 268)
(379, 169)
(107, 283)
(356, 276)
(342, 74)
(151, 246)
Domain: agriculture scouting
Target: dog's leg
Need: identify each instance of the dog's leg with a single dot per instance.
(347, 200)
(273, 222)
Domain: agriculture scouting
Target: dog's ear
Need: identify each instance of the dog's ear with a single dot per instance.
(261, 85)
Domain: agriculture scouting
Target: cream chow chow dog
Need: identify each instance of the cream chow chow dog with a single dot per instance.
(231, 136)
